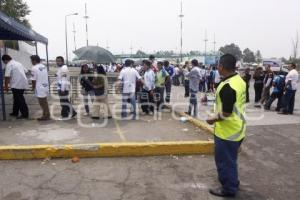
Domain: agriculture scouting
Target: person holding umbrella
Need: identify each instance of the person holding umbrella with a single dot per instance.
(100, 86)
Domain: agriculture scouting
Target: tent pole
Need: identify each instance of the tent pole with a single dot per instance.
(2, 91)
(47, 57)
(36, 49)
(47, 60)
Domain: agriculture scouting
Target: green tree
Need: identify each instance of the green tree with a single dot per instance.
(284, 60)
(295, 43)
(160, 54)
(141, 54)
(194, 53)
(248, 56)
(232, 49)
(17, 9)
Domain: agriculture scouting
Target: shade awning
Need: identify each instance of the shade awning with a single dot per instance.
(10, 29)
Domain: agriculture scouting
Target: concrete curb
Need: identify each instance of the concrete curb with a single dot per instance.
(106, 150)
(113, 149)
(196, 122)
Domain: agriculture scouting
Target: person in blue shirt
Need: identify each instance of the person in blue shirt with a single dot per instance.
(171, 72)
(277, 93)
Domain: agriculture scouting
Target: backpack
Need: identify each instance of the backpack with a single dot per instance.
(280, 82)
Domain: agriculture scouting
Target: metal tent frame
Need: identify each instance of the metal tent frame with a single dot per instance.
(10, 29)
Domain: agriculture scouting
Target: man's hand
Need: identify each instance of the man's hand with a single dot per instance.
(211, 121)
(6, 83)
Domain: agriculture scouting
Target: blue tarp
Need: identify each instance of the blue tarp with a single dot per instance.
(13, 30)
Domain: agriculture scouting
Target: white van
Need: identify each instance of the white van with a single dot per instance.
(276, 65)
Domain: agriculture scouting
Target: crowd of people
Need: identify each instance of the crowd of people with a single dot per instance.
(270, 86)
(150, 83)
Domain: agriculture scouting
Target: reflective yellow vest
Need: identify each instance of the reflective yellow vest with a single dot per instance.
(232, 128)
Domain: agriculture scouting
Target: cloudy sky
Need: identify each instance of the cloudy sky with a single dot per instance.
(152, 25)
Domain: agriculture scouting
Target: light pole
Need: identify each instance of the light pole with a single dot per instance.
(205, 47)
(66, 30)
(215, 53)
(86, 26)
(181, 27)
(74, 35)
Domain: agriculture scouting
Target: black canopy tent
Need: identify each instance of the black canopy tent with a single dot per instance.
(13, 30)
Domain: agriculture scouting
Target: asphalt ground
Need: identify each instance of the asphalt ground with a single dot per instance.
(268, 166)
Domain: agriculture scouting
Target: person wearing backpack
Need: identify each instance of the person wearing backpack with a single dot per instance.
(269, 76)
(277, 93)
(247, 79)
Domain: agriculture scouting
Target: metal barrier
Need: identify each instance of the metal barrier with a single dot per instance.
(74, 81)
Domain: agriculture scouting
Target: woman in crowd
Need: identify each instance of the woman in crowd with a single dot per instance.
(258, 83)
(247, 79)
(87, 87)
(186, 70)
(100, 85)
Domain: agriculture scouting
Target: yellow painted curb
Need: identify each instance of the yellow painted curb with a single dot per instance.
(196, 122)
(200, 124)
(106, 150)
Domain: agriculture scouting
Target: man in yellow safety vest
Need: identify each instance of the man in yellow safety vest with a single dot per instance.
(230, 126)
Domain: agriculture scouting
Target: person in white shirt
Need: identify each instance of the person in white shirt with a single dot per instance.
(176, 81)
(217, 79)
(111, 68)
(153, 63)
(63, 87)
(147, 99)
(40, 85)
(186, 70)
(291, 82)
(16, 78)
(128, 78)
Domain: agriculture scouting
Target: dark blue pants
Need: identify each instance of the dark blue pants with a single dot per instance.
(289, 101)
(159, 93)
(168, 91)
(67, 109)
(273, 97)
(226, 154)
(186, 88)
(193, 104)
(147, 102)
(202, 87)
(19, 103)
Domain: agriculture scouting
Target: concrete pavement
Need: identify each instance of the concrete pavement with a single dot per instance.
(146, 129)
(269, 162)
(269, 170)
